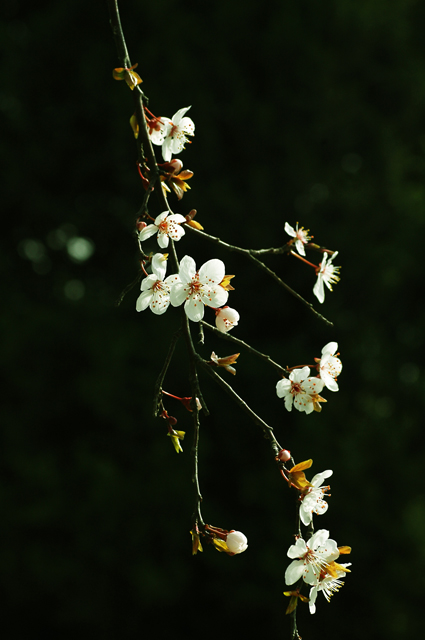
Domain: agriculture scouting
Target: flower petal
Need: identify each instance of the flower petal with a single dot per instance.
(194, 308)
(187, 269)
(144, 300)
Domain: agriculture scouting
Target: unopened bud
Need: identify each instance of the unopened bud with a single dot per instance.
(284, 455)
(140, 225)
(236, 542)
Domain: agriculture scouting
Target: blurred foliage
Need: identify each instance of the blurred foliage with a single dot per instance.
(304, 110)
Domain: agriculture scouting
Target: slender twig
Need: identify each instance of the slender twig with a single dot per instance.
(158, 385)
(144, 144)
(250, 254)
(197, 516)
(267, 430)
(244, 345)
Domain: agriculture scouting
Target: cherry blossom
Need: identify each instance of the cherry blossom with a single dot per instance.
(237, 542)
(226, 318)
(330, 366)
(327, 274)
(199, 288)
(312, 500)
(311, 558)
(301, 236)
(328, 583)
(175, 133)
(301, 390)
(167, 226)
(155, 290)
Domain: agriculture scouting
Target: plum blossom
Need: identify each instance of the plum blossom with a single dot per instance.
(199, 288)
(236, 542)
(300, 390)
(328, 583)
(330, 366)
(155, 290)
(327, 274)
(312, 500)
(157, 129)
(167, 226)
(226, 318)
(175, 132)
(301, 236)
(311, 558)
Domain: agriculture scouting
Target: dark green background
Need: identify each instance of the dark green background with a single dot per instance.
(304, 110)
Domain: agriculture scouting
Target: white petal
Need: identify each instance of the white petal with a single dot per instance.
(320, 477)
(166, 149)
(318, 539)
(160, 302)
(215, 297)
(283, 387)
(300, 247)
(179, 115)
(288, 402)
(147, 232)
(148, 282)
(318, 289)
(330, 348)
(187, 269)
(298, 549)
(313, 385)
(294, 572)
(159, 265)
(194, 308)
(144, 300)
(163, 240)
(188, 126)
(299, 375)
(176, 218)
(179, 293)
(160, 218)
(290, 230)
(212, 272)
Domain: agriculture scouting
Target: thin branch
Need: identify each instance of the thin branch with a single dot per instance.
(267, 430)
(244, 345)
(158, 385)
(250, 253)
(197, 516)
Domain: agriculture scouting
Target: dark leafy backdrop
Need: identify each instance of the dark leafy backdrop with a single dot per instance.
(304, 110)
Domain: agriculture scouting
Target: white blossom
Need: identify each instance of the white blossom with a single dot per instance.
(199, 288)
(328, 585)
(226, 318)
(157, 130)
(330, 366)
(167, 226)
(312, 501)
(299, 389)
(236, 541)
(155, 290)
(311, 558)
(176, 132)
(301, 236)
(327, 274)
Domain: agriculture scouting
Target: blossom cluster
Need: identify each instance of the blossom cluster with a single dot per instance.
(326, 272)
(314, 560)
(196, 289)
(302, 390)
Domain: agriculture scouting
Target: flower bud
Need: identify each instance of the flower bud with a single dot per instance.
(236, 542)
(140, 225)
(284, 455)
(226, 318)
